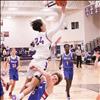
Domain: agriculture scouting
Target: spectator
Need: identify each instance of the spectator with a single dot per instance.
(79, 56)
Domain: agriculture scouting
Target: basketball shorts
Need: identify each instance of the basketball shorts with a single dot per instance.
(68, 73)
(42, 64)
(13, 75)
(1, 89)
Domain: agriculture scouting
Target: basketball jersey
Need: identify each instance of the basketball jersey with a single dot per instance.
(13, 63)
(39, 93)
(67, 60)
(1, 89)
(42, 44)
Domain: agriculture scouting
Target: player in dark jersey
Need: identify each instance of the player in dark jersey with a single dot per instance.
(67, 62)
(14, 63)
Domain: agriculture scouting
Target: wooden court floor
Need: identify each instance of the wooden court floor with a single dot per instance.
(85, 85)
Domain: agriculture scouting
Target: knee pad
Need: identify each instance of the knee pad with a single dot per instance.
(38, 75)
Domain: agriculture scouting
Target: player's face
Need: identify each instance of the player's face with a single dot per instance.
(67, 49)
(78, 47)
(43, 28)
(13, 51)
(54, 78)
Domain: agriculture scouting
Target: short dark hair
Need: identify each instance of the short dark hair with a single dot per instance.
(66, 45)
(12, 49)
(36, 24)
(59, 77)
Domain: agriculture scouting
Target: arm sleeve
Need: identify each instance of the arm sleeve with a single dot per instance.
(56, 28)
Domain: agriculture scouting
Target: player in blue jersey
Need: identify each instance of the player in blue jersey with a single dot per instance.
(1, 90)
(39, 92)
(2, 83)
(44, 86)
(67, 63)
(14, 63)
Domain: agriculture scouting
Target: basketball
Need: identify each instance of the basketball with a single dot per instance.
(98, 97)
(61, 2)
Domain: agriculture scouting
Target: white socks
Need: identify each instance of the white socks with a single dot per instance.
(19, 96)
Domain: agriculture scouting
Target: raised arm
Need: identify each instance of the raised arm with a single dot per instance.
(59, 24)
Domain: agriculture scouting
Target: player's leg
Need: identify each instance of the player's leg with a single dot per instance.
(12, 85)
(2, 97)
(77, 61)
(29, 87)
(28, 78)
(24, 86)
(13, 80)
(69, 84)
(68, 79)
(1, 92)
(66, 75)
(67, 87)
(80, 62)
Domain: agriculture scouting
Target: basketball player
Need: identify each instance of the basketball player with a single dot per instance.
(44, 86)
(41, 43)
(97, 61)
(2, 83)
(67, 62)
(1, 89)
(14, 64)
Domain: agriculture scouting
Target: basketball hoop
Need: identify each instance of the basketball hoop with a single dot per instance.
(61, 2)
(50, 3)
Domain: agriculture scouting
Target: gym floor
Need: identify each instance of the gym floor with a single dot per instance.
(85, 85)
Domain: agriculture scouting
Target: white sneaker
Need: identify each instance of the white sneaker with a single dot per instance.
(14, 97)
(68, 98)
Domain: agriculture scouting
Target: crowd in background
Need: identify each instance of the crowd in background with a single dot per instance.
(80, 55)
